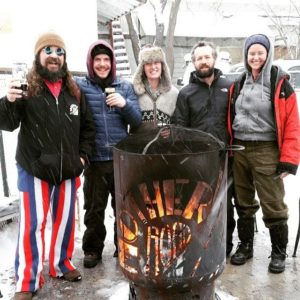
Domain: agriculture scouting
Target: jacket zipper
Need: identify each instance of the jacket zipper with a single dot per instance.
(61, 146)
(155, 113)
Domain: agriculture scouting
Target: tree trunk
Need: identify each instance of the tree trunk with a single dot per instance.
(159, 24)
(159, 34)
(170, 35)
(134, 38)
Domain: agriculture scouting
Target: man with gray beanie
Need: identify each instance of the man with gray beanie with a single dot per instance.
(55, 139)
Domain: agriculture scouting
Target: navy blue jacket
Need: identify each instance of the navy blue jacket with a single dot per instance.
(111, 125)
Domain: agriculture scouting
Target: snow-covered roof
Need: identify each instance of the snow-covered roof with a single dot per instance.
(108, 10)
(208, 24)
(222, 19)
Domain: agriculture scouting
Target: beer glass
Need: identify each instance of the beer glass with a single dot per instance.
(108, 91)
(19, 71)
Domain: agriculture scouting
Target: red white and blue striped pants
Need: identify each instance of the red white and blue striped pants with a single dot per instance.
(38, 198)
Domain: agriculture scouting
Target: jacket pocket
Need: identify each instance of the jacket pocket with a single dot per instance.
(47, 167)
(266, 170)
(71, 166)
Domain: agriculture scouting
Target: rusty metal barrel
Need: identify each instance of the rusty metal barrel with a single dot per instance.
(170, 187)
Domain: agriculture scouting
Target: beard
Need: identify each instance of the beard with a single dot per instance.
(206, 73)
(50, 75)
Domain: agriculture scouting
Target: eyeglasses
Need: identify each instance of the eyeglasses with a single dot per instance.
(59, 51)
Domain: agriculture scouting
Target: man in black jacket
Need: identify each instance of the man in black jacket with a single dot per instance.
(203, 105)
(55, 139)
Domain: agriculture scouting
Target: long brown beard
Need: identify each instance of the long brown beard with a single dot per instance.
(51, 76)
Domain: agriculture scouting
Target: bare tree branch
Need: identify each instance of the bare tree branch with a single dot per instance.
(134, 38)
(163, 4)
(170, 34)
(285, 29)
(159, 24)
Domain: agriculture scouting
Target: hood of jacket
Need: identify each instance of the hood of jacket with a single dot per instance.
(89, 59)
(147, 55)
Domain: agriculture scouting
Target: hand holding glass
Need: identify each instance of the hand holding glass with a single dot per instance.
(108, 91)
(19, 72)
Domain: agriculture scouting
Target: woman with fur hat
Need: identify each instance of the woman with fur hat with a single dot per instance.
(263, 118)
(152, 83)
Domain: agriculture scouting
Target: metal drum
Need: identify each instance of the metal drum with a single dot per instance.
(170, 189)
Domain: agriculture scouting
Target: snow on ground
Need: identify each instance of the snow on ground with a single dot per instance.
(111, 285)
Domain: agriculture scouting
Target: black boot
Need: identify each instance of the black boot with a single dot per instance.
(243, 253)
(245, 247)
(279, 239)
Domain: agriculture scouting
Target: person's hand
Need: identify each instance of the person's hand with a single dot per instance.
(115, 99)
(14, 91)
(165, 132)
(283, 175)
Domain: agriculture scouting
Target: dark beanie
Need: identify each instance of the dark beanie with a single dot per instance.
(257, 39)
(100, 49)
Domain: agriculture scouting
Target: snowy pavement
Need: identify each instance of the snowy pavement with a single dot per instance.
(106, 281)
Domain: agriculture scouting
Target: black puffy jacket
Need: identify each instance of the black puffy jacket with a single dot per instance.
(204, 107)
(54, 134)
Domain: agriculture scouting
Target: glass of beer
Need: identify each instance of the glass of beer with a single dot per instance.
(19, 71)
(108, 91)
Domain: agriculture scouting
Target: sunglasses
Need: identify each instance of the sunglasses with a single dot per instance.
(59, 51)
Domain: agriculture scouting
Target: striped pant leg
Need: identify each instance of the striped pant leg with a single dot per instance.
(30, 252)
(63, 218)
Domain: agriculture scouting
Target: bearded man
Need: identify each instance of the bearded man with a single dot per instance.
(56, 137)
(203, 105)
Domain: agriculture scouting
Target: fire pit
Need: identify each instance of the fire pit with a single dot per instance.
(171, 212)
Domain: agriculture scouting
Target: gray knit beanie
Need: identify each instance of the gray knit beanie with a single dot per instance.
(257, 39)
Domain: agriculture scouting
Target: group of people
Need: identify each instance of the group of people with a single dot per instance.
(69, 125)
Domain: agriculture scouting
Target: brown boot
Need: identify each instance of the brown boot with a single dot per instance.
(23, 296)
(72, 276)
